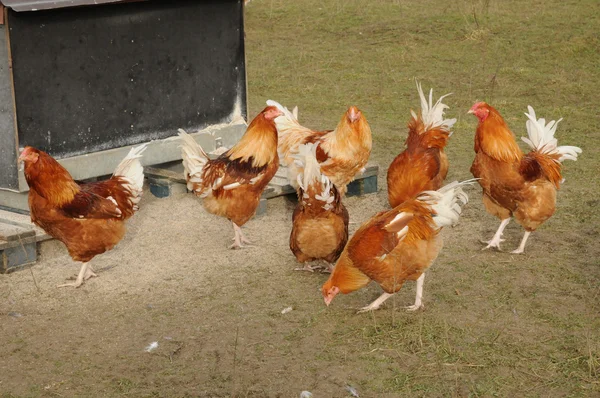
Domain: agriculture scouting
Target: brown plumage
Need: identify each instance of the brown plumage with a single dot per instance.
(523, 186)
(423, 165)
(396, 246)
(342, 153)
(232, 184)
(89, 218)
(320, 220)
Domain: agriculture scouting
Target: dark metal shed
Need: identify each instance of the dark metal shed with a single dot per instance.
(35, 5)
(85, 80)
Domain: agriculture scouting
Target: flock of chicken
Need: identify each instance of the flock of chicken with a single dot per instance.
(393, 246)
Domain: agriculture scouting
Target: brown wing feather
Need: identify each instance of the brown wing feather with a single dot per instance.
(84, 238)
(378, 252)
(238, 204)
(114, 188)
(89, 205)
(372, 240)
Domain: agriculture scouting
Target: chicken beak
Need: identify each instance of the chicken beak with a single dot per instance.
(327, 300)
(471, 111)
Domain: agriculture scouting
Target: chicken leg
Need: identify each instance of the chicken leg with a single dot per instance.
(239, 238)
(418, 304)
(86, 272)
(495, 242)
(521, 247)
(375, 304)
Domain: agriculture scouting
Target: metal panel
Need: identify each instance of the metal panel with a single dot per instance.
(92, 79)
(160, 151)
(8, 137)
(34, 5)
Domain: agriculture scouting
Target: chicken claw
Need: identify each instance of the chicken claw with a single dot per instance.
(496, 240)
(307, 267)
(86, 272)
(239, 245)
(414, 307)
(240, 241)
(493, 243)
(326, 268)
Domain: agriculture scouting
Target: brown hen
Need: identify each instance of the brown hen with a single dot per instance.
(523, 186)
(423, 165)
(320, 220)
(232, 184)
(89, 218)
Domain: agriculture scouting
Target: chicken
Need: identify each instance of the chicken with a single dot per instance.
(396, 246)
(342, 153)
(514, 184)
(89, 218)
(320, 220)
(423, 165)
(232, 184)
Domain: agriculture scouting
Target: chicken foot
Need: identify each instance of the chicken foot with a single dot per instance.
(240, 241)
(381, 299)
(418, 304)
(496, 240)
(308, 267)
(86, 272)
(521, 247)
(325, 267)
(375, 304)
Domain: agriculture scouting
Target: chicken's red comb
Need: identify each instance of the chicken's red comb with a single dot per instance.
(27, 150)
(477, 106)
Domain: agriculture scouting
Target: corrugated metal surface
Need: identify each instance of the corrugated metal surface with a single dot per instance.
(34, 5)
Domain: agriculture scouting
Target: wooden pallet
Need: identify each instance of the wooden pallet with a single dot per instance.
(362, 184)
(167, 179)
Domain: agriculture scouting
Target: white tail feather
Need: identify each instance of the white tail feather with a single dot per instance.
(433, 114)
(541, 137)
(194, 159)
(446, 202)
(130, 169)
(310, 174)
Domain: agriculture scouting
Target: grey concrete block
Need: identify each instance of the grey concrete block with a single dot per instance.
(262, 207)
(363, 186)
(164, 187)
(12, 258)
(370, 184)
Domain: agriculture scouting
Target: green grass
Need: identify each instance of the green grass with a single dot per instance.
(518, 326)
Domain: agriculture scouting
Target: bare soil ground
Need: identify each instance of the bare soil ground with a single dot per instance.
(495, 324)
